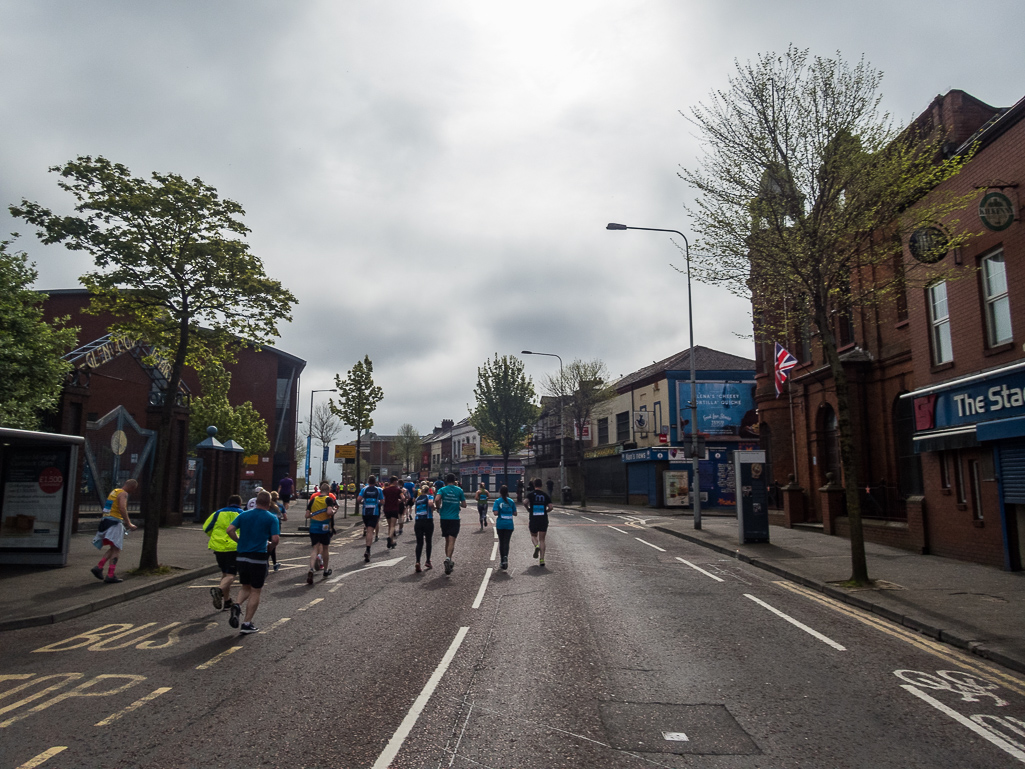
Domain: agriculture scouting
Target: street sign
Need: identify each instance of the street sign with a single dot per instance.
(344, 452)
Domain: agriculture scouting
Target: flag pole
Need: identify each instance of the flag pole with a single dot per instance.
(790, 394)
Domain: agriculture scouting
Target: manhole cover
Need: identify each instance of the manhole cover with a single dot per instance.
(665, 728)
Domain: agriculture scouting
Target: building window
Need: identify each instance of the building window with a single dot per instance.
(959, 487)
(939, 323)
(944, 470)
(603, 431)
(909, 464)
(998, 306)
(622, 426)
(975, 478)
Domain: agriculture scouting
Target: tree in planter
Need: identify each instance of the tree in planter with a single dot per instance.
(358, 397)
(806, 194)
(324, 428)
(505, 408)
(407, 447)
(580, 387)
(173, 268)
(32, 370)
(242, 424)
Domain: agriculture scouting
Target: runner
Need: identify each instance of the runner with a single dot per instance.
(539, 505)
(216, 529)
(258, 527)
(411, 493)
(370, 499)
(286, 488)
(393, 505)
(504, 510)
(278, 509)
(320, 510)
(449, 500)
(423, 526)
(482, 505)
(111, 531)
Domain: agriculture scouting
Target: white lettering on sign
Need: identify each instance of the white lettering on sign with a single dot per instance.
(1000, 397)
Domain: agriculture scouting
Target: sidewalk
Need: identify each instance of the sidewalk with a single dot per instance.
(978, 608)
(42, 595)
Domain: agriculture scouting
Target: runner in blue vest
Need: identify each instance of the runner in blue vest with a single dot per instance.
(449, 501)
(504, 510)
(423, 525)
(370, 498)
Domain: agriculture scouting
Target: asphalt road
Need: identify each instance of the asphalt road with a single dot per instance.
(631, 648)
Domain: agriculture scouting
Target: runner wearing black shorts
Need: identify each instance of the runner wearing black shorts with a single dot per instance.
(253, 530)
(449, 501)
(423, 526)
(392, 494)
(370, 499)
(539, 505)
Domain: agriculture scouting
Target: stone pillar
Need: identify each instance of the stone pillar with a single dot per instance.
(832, 504)
(916, 524)
(793, 503)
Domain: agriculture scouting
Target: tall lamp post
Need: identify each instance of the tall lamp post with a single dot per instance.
(696, 490)
(309, 433)
(562, 419)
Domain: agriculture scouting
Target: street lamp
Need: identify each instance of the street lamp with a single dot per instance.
(562, 419)
(696, 490)
(309, 432)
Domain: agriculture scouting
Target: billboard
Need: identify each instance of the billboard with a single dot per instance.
(724, 408)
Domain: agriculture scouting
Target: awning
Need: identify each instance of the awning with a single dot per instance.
(1001, 429)
(946, 440)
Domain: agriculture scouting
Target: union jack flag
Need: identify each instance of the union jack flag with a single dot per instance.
(784, 362)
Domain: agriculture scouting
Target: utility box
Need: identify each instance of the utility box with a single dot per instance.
(752, 496)
(38, 478)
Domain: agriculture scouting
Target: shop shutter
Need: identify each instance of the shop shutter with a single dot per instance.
(1012, 471)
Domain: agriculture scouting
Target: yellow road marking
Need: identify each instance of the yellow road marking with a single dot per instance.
(211, 662)
(44, 756)
(134, 706)
(944, 652)
(279, 623)
(311, 604)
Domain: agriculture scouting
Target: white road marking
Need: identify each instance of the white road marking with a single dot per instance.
(494, 551)
(588, 519)
(494, 531)
(134, 706)
(643, 542)
(395, 743)
(214, 660)
(698, 568)
(982, 731)
(390, 562)
(797, 624)
(483, 587)
(675, 737)
(615, 529)
(46, 755)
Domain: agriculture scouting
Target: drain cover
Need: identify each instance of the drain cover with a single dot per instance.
(665, 728)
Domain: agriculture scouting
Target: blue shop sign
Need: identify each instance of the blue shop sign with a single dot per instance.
(646, 455)
(979, 398)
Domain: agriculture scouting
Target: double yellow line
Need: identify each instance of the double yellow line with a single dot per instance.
(944, 652)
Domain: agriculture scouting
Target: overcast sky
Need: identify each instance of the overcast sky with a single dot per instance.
(432, 179)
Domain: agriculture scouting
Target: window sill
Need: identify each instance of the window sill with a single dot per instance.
(978, 523)
(999, 349)
(942, 367)
(945, 492)
(902, 323)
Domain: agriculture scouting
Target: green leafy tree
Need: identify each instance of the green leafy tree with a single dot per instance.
(580, 386)
(407, 447)
(32, 371)
(241, 423)
(806, 193)
(358, 397)
(173, 268)
(505, 408)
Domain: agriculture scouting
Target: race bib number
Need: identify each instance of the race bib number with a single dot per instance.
(539, 510)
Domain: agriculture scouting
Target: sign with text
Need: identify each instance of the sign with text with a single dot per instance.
(980, 399)
(724, 408)
(345, 452)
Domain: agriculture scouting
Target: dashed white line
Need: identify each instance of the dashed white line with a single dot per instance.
(395, 743)
(588, 519)
(982, 731)
(698, 568)
(619, 530)
(483, 587)
(494, 551)
(797, 624)
(644, 542)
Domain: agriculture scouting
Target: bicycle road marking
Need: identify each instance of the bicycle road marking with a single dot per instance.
(214, 660)
(32, 763)
(795, 623)
(134, 706)
(483, 587)
(698, 568)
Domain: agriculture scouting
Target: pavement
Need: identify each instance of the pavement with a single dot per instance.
(42, 595)
(980, 609)
(977, 608)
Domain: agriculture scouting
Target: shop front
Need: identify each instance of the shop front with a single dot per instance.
(489, 471)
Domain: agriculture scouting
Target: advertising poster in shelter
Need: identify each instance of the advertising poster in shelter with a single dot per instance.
(34, 485)
(724, 408)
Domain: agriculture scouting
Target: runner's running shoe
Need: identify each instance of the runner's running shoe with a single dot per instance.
(218, 597)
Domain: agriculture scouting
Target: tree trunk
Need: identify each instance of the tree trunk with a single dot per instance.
(359, 435)
(849, 451)
(505, 467)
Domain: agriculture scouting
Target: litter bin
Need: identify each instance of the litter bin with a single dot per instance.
(567, 495)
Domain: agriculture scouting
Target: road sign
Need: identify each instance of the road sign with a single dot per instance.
(344, 452)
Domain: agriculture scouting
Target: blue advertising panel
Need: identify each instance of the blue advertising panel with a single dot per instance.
(980, 400)
(724, 408)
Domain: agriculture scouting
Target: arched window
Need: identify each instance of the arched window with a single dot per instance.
(828, 452)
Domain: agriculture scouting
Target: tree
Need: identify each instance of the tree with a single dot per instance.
(242, 424)
(324, 427)
(358, 396)
(580, 386)
(806, 194)
(32, 370)
(505, 408)
(171, 265)
(407, 446)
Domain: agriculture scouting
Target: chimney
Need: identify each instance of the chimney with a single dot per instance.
(447, 424)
